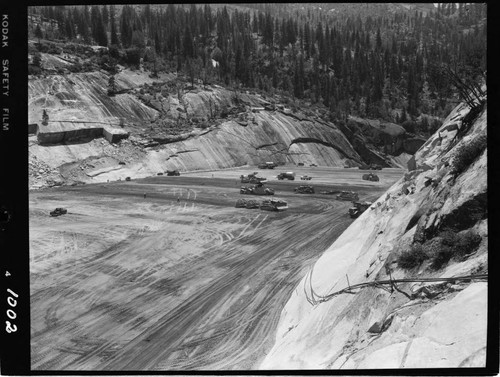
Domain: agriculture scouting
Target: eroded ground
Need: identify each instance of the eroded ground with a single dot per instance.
(177, 280)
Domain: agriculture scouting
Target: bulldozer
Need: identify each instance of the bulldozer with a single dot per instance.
(251, 204)
(348, 195)
(241, 203)
(273, 205)
(251, 178)
(58, 212)
(358, 208)
(257, 189)
(304, 189)
(371, 177)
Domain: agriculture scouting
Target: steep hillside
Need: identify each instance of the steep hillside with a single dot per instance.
(168, 124)
(421, 241)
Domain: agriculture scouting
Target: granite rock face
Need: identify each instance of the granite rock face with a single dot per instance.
(413, 324)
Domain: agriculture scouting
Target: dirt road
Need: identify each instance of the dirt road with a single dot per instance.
(177, 280)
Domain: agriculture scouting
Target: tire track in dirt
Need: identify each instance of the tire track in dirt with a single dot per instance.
(212, 304)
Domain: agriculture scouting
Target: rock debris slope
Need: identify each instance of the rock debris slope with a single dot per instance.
(437, 207)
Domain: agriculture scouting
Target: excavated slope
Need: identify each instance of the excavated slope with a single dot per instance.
(432, 324)
(247, 135)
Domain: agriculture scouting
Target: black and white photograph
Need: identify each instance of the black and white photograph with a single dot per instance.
(254, 187)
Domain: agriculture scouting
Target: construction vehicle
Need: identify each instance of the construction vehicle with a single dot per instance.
(314, 165)
(300, 164)
(159, 174)
(290, 175)
(304, 190)
(371, 177)
(271, 165)
(262, 165)
(348, 195)
(251, 204)
(173, 173)
(241, 203)
(358, 208)
(127, 179)
(257, 189)
(305, 178)
(251, 178)
(58, 212)
(273, 205)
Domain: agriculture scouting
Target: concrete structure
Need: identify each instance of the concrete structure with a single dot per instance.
(113, 135)
(32, 128)
(73, 131)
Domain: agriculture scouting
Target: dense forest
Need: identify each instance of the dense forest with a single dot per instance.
(385, 64)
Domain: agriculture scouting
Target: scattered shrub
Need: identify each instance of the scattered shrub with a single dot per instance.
(440, 250)
(467, 244)
(442, 257)
(34, 70)
(454, 245)
(412, 258)
(467, 153)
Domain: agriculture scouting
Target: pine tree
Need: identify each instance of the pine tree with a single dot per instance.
(114, 36)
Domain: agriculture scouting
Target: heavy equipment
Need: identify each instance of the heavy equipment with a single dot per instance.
(273, 205)
(173, 173)
(304, 189)
(257, 189)
(252, 178)
(305, 178)
(358, 208)
(348, 195)
(371, 177)
(58, 212)
(290, 175)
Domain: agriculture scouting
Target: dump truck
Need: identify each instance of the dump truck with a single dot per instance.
(290, 175)
(173, 173)
(358, 208)
(348, 195)
(257, 189)
(304, 189)
(58, 212)
(305, 178)
(273, 205)
(371, 177)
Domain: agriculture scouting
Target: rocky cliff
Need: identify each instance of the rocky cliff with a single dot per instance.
(170, 124)
(425, 242)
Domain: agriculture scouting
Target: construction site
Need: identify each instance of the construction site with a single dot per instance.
(166, 273)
